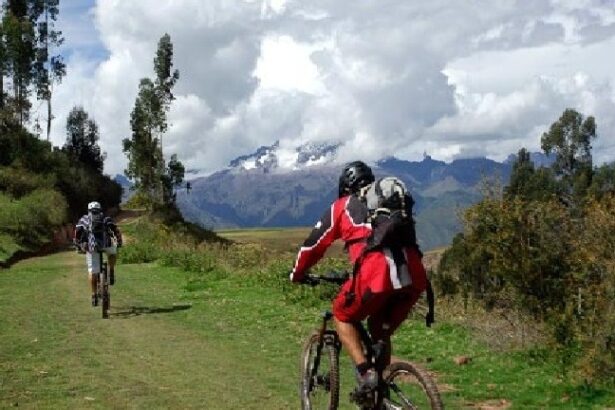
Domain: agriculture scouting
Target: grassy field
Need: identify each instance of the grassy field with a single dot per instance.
(279, 240)
(231, 342)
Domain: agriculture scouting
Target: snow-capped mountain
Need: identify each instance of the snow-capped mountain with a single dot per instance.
(292, 186)
(276, 157)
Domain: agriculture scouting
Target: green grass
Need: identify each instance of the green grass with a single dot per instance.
(230, 340)
(277, 239)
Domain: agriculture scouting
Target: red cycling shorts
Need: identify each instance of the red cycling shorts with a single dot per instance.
(386, 307)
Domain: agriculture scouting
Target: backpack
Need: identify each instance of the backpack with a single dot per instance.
(98, 231)
(389, 207)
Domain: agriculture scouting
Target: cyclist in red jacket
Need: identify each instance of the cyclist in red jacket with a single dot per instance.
(385, 287)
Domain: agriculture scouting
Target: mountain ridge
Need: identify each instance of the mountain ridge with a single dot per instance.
(266, 189)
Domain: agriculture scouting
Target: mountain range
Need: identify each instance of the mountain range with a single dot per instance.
(282, 187)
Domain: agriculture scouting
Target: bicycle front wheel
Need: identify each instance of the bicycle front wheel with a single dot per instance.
(320, 382)
(106, 297)
(410, 388)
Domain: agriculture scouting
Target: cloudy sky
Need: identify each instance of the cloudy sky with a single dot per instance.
(451, 78)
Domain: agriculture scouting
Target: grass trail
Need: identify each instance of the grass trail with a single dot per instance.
(156, 350)
(232, 343)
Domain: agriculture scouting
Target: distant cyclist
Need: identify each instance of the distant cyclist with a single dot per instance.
(96, 233)
(386, 284)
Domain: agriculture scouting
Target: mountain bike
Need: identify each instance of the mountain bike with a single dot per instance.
(402, 385)
(102, 282)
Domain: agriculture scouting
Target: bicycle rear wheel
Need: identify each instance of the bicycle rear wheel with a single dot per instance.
(410, 388)
(320, 382)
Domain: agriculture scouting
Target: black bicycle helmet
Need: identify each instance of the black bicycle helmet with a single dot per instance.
(355, 176)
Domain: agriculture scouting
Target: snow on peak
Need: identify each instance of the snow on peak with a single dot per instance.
(268, 158)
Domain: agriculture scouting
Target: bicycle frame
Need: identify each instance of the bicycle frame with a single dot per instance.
(374, 351)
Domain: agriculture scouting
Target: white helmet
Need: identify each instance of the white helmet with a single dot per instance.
(94, 206)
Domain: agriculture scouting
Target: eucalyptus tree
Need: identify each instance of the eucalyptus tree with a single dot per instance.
(154, 178)
(82, 140)
(48, 68)
(570, 138)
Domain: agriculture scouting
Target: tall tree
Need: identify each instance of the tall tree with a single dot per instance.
(174, 177)
(19, 43)
(142, 149)
(148, 120)
(82, 140)
(3, 65)
(165, 80)
(522, 173)
(48, 68)
(569, 138)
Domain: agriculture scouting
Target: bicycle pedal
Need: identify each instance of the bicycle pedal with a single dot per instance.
(363, 398)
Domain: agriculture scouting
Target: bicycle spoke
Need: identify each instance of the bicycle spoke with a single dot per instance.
(406, 392)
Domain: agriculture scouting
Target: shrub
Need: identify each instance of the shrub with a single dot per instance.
(32, 219)
(595, 274)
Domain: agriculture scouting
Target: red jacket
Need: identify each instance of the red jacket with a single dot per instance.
(379, 270)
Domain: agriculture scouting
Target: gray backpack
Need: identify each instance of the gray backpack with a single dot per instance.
(389, 207)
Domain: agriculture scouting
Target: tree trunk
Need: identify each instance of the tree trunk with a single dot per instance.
(1, 90)
(48, 116)
(48, 76)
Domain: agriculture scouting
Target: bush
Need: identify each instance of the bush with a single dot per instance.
(18, 182)
(595, 274)
(32, 219)
(512, 247)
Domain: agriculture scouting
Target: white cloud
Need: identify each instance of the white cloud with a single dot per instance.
(285, 65)
(383, 77)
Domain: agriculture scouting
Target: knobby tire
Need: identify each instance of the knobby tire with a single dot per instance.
(330, 355)
(397, 371)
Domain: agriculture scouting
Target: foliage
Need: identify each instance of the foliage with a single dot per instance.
(595, 256)
(17, 181)
(48, 69)
(28, 163)
(19, 53)
(27, 37)
(546, 248)
(39, 183)
(530, 183)
(82, 140)
(603, 181)
(569, 138)
(154, 179)
(26, 221)
(41, 187)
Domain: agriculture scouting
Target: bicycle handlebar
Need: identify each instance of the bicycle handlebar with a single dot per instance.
(337, 278)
